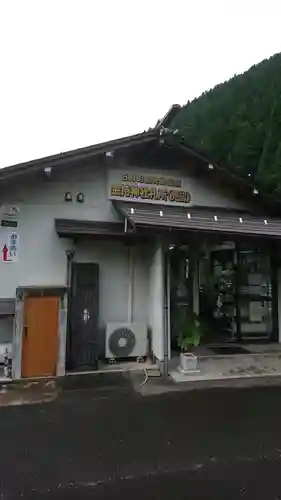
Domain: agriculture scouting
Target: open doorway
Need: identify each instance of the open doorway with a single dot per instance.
(231, 285)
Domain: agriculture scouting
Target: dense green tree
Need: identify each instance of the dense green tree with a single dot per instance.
(239, 124)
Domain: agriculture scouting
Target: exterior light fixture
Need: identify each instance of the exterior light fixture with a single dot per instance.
(240, 219)
(265, 221)
(70, 253)
(68, 196)
(132, 210)
(80, 197)
(109, 154)
(210, 166)
(255, 191)
(161, 213)
(188, 216)
(48, 171)
(215, 217)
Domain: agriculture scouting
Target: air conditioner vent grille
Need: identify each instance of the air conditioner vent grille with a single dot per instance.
(126, 340)
(122, 342)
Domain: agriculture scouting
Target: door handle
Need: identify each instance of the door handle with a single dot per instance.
(86, 315)
(25, 330)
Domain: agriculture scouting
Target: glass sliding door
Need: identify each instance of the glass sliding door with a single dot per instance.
(238, 299)
(217, 292)
(254, 293)
(223, 271)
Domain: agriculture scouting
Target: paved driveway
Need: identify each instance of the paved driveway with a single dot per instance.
(114, 443)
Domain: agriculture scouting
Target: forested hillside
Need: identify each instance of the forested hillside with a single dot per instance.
(239, 124)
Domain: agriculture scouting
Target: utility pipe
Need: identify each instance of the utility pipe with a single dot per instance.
(130, 284)
(167, 321)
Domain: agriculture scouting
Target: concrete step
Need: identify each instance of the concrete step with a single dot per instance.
(153, 372)
(233, 366)
(272, 355)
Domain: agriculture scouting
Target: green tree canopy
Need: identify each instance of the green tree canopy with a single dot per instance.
(239, 124)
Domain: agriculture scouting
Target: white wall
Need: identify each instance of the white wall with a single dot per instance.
(42, 259)
(156, 309)
(202, 192)
(113, 260)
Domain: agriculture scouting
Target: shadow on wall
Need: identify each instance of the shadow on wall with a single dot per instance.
(6, 328)
(6, 335)
(101, 341)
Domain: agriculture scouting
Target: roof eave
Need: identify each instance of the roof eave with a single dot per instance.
(78, 154)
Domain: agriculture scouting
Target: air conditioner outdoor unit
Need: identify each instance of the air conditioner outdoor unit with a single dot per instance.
(126, 340)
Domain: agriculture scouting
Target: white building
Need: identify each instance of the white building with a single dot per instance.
(125, 233)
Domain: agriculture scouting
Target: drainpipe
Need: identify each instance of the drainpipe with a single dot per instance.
(69, 257)
(167, 323)
(195, 284)
(130, 284)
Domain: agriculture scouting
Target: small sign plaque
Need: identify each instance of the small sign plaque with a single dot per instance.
(9, 223)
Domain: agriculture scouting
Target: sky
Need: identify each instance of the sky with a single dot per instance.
(75, 73)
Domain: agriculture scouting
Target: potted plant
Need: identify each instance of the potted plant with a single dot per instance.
(190, 333)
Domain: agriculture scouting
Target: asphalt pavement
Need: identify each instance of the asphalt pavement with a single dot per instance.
(113, 443)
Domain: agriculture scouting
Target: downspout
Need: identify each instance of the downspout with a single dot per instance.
(69, 259)
(195, 285)
(167, 323)
(130, 284)
(169, 305)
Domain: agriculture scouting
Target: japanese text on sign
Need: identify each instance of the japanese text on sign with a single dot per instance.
(151, 179)
(10, 248)
(150, 193)
(13, 246)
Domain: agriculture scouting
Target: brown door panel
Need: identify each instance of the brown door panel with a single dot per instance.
(40, 336)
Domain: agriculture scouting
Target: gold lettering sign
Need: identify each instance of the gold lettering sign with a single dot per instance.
(151, 179)
(150, 187)
(150, 193)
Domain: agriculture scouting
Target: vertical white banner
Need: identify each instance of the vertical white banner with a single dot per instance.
(10, 249)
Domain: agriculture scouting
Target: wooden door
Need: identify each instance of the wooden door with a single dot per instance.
(83, 335)
(40, 336)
